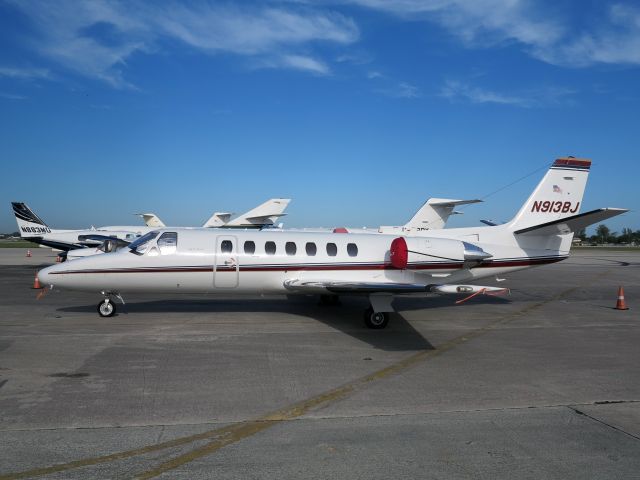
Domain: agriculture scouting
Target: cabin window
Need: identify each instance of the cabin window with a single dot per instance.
(311, 249)
(352, 249)
(226, 246)
(168, 243)
(249, 247)
(141, 245)
(332, 250)
(290, 248)
(270, 248)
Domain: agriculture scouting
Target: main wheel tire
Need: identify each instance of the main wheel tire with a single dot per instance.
(375, 320)
(106, 308)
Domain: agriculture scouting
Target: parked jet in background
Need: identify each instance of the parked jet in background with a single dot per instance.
(263, 215)
(433, 215)
(380, 266)
(32, 228)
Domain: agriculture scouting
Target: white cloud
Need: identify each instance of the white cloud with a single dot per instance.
(401, 90)
(541, 30)
(297, 62)
(615, 41)
(12, 96)
(24, 73)
(457, 91)
(66, 35)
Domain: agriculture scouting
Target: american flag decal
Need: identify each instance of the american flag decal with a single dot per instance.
(557, 189)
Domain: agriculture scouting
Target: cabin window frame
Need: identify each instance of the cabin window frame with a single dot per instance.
(313, 248)
(253, 250)
(288, 246)
(267, 247)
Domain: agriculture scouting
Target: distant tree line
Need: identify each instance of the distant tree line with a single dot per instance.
(605, 235)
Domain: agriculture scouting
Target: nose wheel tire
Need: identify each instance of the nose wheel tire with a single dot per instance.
(106, 308)
(375, 320)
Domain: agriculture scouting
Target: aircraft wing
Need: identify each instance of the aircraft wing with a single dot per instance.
(95, 239)
(572, 224)
(353, 288)
(367, 288)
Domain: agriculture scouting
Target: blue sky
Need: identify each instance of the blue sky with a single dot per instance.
(358, 110)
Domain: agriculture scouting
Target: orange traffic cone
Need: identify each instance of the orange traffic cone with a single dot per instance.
(36, 283)
(621, 304)
(28, 253)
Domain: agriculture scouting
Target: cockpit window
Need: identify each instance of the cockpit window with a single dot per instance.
(168, 243)
(141, 245)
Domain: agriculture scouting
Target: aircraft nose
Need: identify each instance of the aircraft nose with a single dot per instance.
(45, 277)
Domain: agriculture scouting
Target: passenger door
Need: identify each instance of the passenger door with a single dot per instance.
(226, 268)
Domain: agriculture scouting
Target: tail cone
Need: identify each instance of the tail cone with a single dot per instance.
(36, 283)
(621, 304)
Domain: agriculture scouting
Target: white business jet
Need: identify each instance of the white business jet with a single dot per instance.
(171, 261)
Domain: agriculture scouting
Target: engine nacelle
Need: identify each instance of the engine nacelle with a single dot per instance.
(405, 250)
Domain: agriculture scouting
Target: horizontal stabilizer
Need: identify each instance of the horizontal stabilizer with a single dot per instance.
(447, 202)
(262, 218)
(572, 224)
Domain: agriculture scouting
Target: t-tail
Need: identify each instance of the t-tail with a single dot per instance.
(554, 206)
(557, 196)
(29, 224)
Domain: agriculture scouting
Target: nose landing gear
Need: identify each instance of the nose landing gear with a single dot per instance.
(107, 307)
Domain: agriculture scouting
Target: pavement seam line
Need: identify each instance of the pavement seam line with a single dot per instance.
(602, 422)
(231, 434)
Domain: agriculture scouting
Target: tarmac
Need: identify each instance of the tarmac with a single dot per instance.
(544, 383)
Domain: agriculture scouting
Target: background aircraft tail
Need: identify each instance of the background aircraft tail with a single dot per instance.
(265, 214)
(151, 220)
(557, 196)
(29, 224)
(435, 213)
(218, 219)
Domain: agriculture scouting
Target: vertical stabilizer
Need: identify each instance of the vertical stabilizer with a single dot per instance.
(29, 224)
(558, 195)
(218, 219)
(151, 220)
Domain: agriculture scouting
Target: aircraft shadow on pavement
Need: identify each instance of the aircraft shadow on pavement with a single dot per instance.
(347, 317)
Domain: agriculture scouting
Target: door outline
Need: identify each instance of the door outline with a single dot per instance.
(226, 264)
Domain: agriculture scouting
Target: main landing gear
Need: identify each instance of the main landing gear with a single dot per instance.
(375, 320)
(377, 315)
(107, 307)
